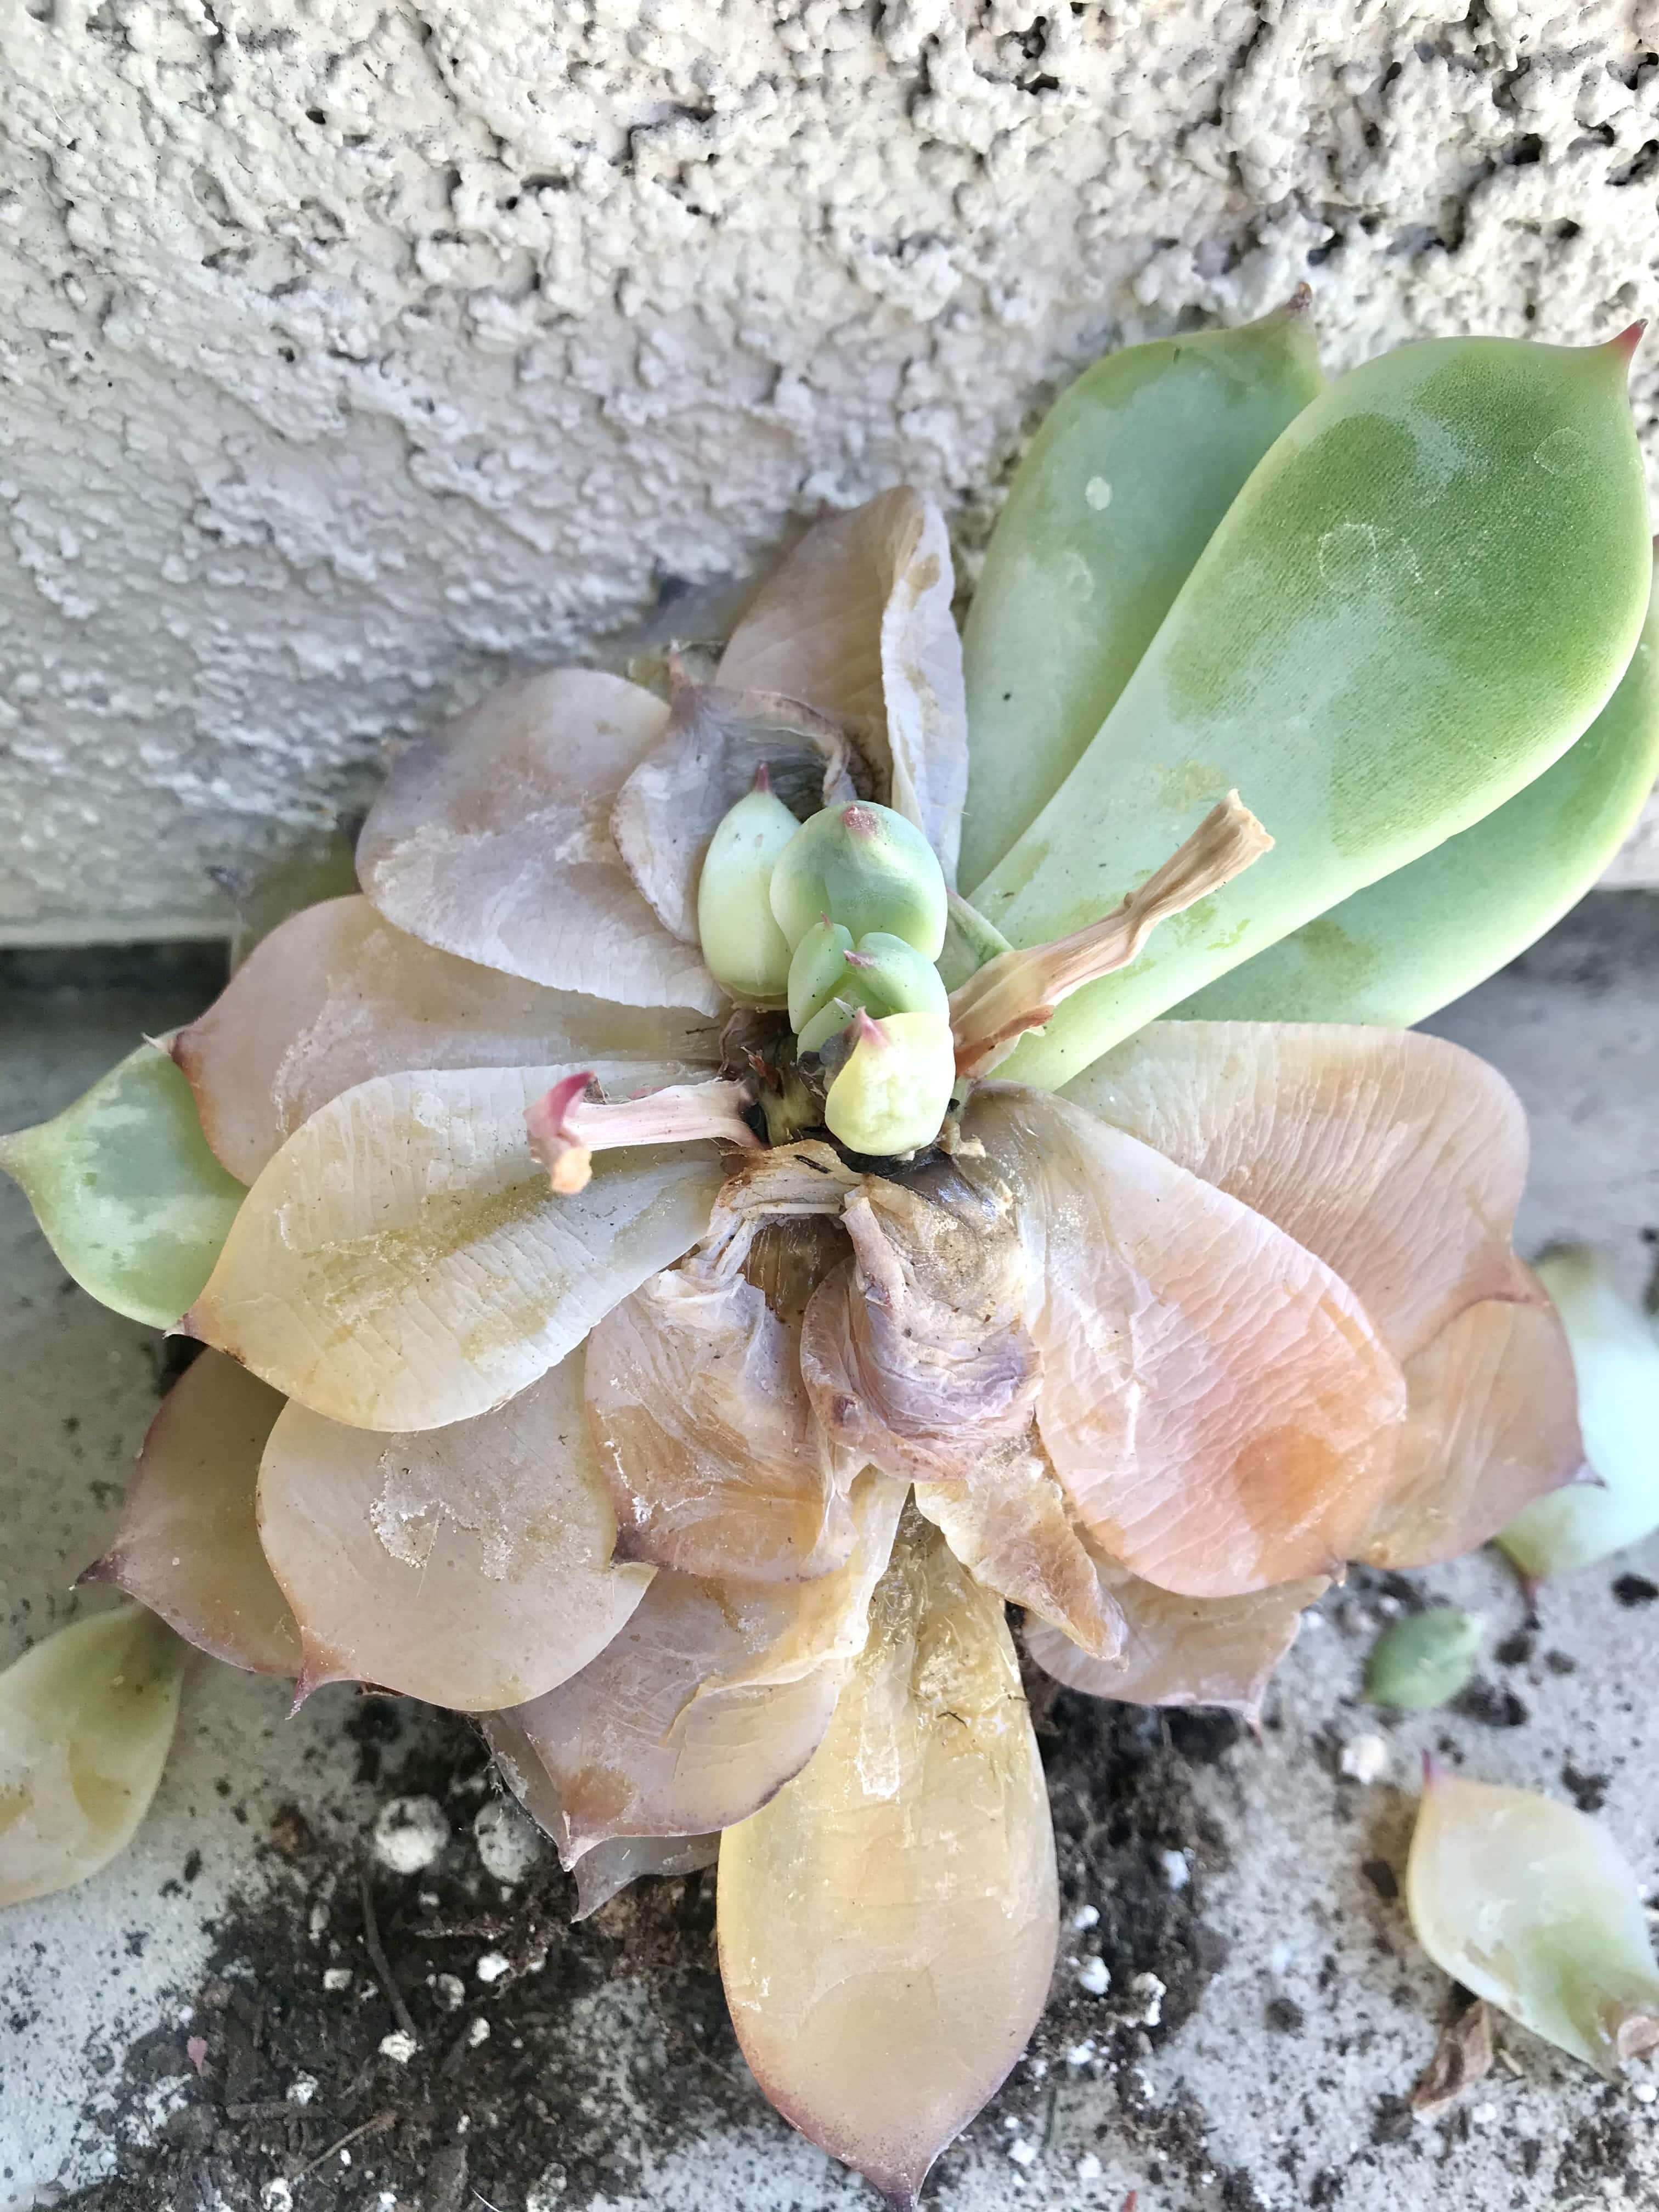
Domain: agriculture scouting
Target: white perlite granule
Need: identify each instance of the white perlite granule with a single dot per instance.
(409, 1833)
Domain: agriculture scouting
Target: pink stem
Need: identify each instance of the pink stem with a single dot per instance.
(567, 1126)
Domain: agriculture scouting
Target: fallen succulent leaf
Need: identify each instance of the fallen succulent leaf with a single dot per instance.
(1424, 1660)
(1616, 1358)
(86, 1718)
(1532, 1906)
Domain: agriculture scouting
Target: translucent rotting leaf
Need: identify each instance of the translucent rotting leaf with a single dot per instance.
(316, 866)
(492, 840)
(336, 995)
(188, 1545)
(711, 1697)
(1411, 942)
(707, 759)
(888, 1924)
(1217, 1405)
(1180, 1651)
(1616, 1358)
(469, 1566)
(402, 1263)
(1006, 1520)
(1399, 1159)
(126, 1191)
(1424, 592)
(1425, 1660)
(87, 1717)
(716, 1463)
(1492, 1423)
(606, 1869)
(1532, 1905)
(916, 1353)
(1130, 471)
(857, 622)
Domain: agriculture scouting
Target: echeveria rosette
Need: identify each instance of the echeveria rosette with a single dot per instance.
(712, 1445)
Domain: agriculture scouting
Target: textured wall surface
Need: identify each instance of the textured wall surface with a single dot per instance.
(355, 350)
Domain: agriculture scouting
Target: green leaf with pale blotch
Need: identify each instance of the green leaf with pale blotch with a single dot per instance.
(1616, 1358)
(1402, 948)
(87, 1717)
(1132, 470)
(1423, 594)
(130, 1198)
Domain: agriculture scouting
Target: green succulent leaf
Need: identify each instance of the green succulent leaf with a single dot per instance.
(1130, 472)
(1615, 1357)
(1423, 594)
(1425, 1659)
(126, 1191)
(1406, 947)
(87, 1717)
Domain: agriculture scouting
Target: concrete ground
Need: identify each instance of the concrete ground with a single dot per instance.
(1293, 2071)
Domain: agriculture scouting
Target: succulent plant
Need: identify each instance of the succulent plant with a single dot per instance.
(608, 1224)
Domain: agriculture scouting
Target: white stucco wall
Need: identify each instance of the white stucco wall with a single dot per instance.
(352, 350)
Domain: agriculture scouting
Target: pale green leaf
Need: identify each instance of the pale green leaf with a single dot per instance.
(1408, 944)
(121, 1182)
(1615, 1357)
(1423, 594)
(87, 1717)
(1532, 1906)
(1132, 470)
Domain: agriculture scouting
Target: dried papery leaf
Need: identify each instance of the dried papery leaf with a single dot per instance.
(493, 842)
(1616, 1358)
(604, 1868)
(706, 760)
(1217, 1403)
(857, 622)
(888, 1924)
(87, 1717)
(916, 1352)
(336, 995)
(716, 1463)
(402, 1263)
(712, 1697)
(319, 866)
(125, 1190)
(1398, 1158)
(188, 1545)
(1181, 1650)
(468, 1565)
(1531, 1905)
(1462, 2059)
(1019, 990)
(1492, 1423)
(1006, 1520)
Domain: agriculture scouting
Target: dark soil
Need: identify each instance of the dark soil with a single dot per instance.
(517, 2095)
